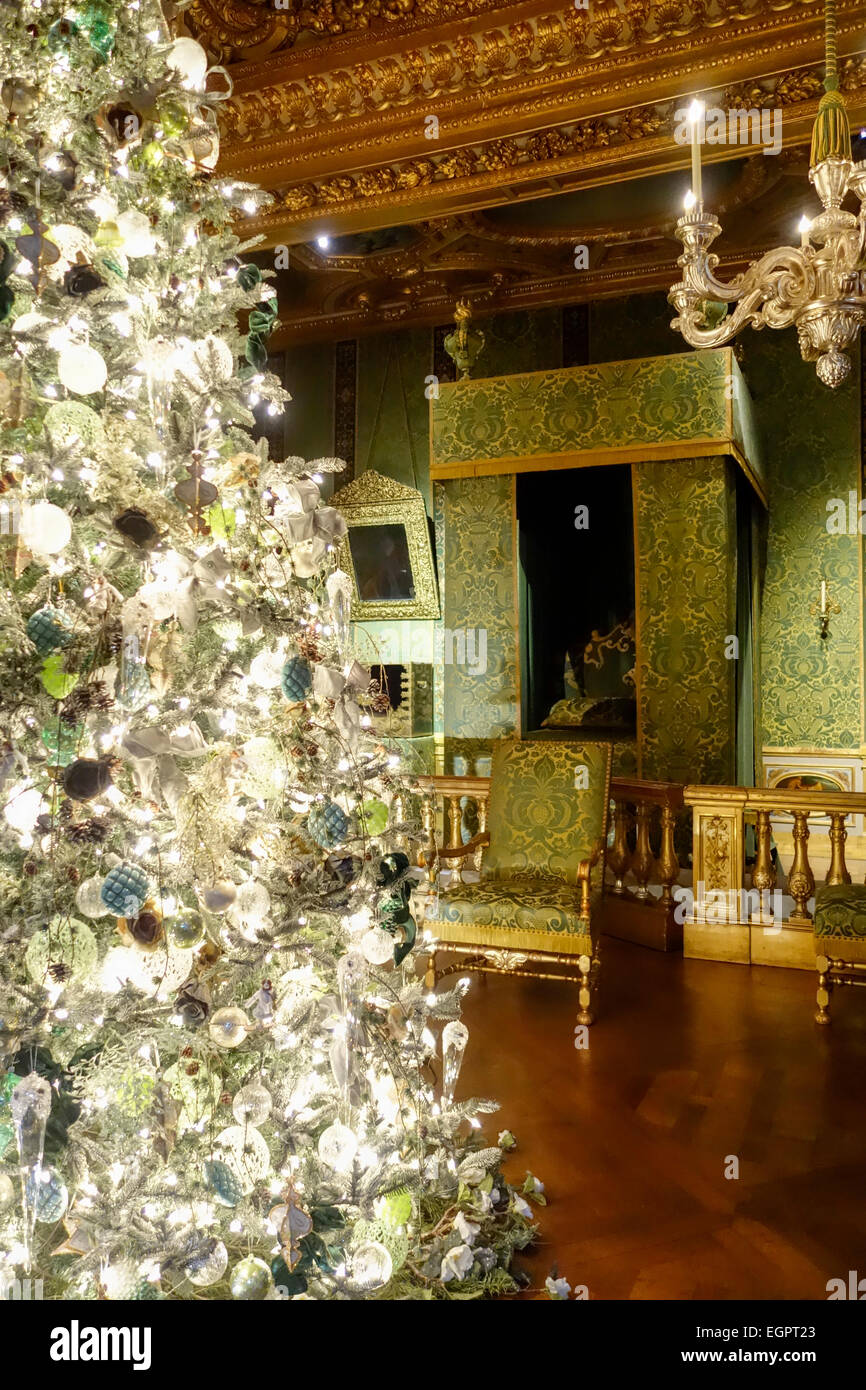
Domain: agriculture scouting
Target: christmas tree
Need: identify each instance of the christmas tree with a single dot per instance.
(222, 1074)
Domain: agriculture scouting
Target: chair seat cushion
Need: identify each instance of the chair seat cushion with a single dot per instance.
(520, 912)
(840, 910)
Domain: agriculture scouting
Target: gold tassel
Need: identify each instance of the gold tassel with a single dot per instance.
(831, 134)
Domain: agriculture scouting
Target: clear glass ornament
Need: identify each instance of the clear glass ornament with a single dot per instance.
(229, 1027)
(7, 1191)
(377, 946)
(88, 898)
(209, 1266)
(186, 928)
(30, 1105)
(372, 1266)
(455, 1036)
(246, 1153)
(338, 1147)
(252, 1105)
(266, 670)
(252, 903)
(251, 1279)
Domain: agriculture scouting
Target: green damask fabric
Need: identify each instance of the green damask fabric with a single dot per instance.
(840, 910)
(540, 823)
(522, 904)
(613, 405)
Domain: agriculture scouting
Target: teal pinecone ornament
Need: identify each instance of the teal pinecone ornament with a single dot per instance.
(48, 631)
(297, 679)
(222, 1182)
(327, 824)
(124, 890)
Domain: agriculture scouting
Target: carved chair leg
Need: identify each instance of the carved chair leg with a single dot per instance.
(585, 1014)
(825, 989)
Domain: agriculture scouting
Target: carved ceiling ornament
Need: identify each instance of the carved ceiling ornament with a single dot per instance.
(525, 48)
(785, 90)
(236, 30)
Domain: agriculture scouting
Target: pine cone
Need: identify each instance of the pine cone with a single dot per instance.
(309, 648)
(60, 972)
(88, 832)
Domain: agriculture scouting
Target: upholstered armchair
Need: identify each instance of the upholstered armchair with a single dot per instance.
(535, 901)
(839, 929)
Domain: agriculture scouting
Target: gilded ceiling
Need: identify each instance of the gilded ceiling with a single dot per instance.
(367, 116)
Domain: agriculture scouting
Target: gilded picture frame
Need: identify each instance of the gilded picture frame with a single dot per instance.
(387, 551)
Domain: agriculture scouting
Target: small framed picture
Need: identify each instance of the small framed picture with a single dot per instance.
(387, 550)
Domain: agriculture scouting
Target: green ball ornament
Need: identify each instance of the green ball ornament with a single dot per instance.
(57, 682)
(327, 824)
(296, 681)
(374, 815)
(186, 929)
(62, 741)
(68, 423)
(125, 889)
(222, 1182)
(173, 118)
(48, 630)
(100, 35)
(251, 1280)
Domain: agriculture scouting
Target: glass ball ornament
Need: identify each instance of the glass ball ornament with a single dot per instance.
(251, 1280)
(186, 929)
(245, 1152)
(189, 60)
(209, 1266)
(265, 773)
(66, 949)
(81, 369)
(337, 1147)
(88, 898)
(44, 529)
(251, 904)
(377, 946)
(229, 1027)
(372, 1265)
(48, 1195)
(252, 1105)
(136, 233)
(7, 1191)
(22, 808)
(71, 423)
(266, 669)
(219, 896)
(374, 816)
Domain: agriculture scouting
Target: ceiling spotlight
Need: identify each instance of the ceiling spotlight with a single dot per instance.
(323, 242)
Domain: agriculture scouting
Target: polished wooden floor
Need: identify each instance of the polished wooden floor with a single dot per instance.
(690, 1062)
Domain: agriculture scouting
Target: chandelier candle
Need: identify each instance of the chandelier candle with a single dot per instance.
(696, 121)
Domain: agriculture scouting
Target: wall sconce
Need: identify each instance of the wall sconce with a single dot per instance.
(822, 611)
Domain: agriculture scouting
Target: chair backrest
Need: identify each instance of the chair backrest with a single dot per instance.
(548, 807)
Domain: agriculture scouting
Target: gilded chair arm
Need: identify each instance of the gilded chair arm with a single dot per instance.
(459, 851)
(584, 878)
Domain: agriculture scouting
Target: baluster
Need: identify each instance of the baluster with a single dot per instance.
(428, 813)
(801, 880)
(642, 860)
(483, 802)
(668, 864)
(455, 817)
(764, 870)
(838, 870)
(618, 855)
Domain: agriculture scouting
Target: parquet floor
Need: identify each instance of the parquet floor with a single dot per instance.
(690, 1063)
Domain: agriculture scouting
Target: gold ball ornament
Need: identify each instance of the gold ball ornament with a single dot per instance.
(229, 1027)
(251, 1280)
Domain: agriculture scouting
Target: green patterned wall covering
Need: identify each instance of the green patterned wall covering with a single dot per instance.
(649, 401)
(811, 696)
(686, 538)
(478, 532)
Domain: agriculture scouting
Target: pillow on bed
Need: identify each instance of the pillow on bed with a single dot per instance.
(583, 711)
